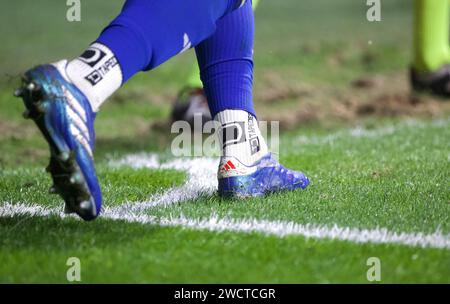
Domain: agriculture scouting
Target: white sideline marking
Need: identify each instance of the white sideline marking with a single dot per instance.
(275, 228)
(201, 180)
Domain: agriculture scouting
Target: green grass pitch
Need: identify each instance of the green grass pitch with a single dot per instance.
(380, 180)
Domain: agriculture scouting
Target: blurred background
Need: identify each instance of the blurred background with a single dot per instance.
(318, 63)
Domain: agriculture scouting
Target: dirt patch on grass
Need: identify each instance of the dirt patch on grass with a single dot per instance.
(14, 130)
(143, 95)
(377, 96)
(276, 89)
(14, 136)
(398, 104)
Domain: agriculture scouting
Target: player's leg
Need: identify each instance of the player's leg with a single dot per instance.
(193, 80)
(226, 67)
(431, 65)
(62, 98)
(191, 98)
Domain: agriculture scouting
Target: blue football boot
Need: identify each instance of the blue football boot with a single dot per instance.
(65, 118)
(264, 177)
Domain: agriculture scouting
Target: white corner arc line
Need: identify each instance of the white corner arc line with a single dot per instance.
(274, 228)
(201, 180)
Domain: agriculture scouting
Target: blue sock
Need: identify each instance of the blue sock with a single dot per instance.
(226, 62)
(149, 32)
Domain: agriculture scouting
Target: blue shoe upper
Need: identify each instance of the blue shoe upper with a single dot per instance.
(270, 176)
(69, 121)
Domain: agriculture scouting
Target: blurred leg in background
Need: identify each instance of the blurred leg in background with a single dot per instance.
(431, 64)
